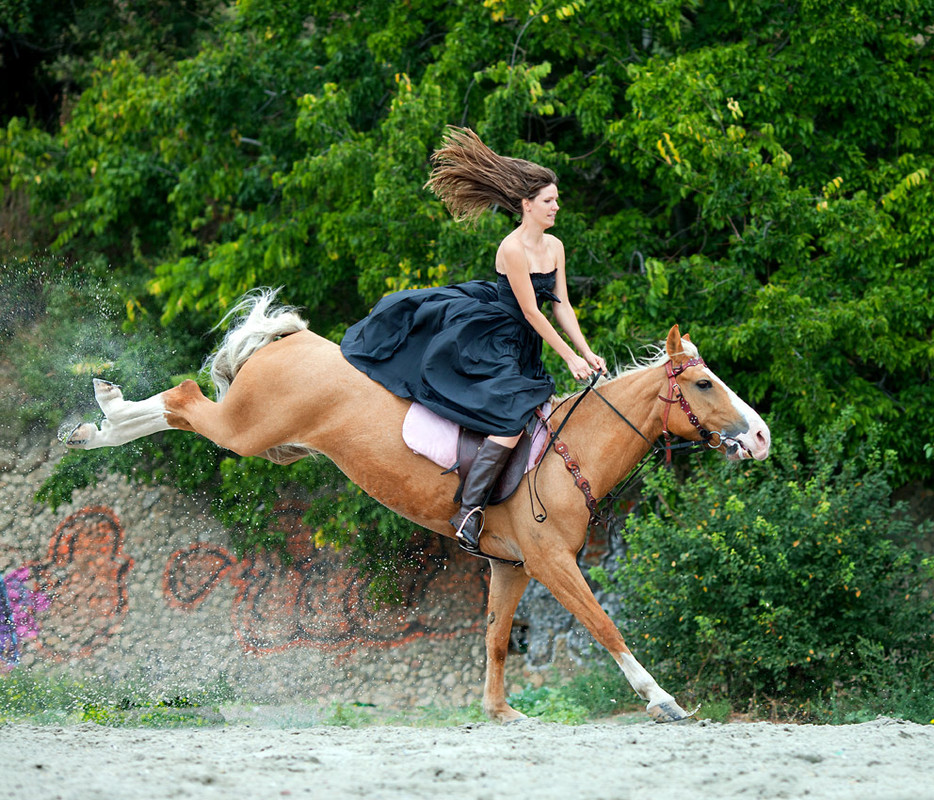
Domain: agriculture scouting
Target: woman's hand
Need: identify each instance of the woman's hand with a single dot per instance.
(579, 367)
(583, 368)
(595, 361)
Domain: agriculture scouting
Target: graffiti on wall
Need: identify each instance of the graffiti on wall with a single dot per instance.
(69, 604)
(315, 598)
(19, 609)
(84, 575)
(72, 601)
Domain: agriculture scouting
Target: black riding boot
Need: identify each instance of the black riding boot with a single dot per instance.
(486, 467)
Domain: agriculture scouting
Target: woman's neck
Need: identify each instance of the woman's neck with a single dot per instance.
(530, 234)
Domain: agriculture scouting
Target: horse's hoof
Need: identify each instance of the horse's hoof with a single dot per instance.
(670, 711)
(106, 392)
(506, 716)
(71, 438)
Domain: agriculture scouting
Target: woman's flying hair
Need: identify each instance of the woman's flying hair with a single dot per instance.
(468, 177)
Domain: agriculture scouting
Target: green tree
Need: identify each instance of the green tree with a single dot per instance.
(46, 47)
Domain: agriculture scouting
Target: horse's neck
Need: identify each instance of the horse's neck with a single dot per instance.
(610, 449)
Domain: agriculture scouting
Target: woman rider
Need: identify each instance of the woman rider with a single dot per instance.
(471, 352)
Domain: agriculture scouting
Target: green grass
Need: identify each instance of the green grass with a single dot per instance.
(356, 715)
(595, 695)
(38, 698)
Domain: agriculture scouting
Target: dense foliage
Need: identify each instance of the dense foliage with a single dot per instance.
(794, 579)
(754, 170)
(47, 49)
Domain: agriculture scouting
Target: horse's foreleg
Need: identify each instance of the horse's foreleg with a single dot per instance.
(507, 583)
(123, 420)
(561, 575)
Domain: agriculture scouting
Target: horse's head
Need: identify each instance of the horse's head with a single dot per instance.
(712, 410)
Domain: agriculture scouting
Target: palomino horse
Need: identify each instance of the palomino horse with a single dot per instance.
(284, 392)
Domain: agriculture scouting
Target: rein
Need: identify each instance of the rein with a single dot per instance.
(562, 450)
(675, 395)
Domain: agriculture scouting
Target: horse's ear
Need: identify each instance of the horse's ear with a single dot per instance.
(673, 346)
(686, 337)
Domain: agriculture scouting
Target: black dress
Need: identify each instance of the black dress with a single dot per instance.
(464, 351)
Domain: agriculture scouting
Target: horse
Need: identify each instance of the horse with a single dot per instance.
(283, 392)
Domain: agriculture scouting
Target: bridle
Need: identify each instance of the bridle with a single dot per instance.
(675, 395)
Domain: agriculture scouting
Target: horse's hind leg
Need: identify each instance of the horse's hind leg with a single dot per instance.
(184, 407)
(123, 420)
(243, 421)
(561, 575)
(507, 583)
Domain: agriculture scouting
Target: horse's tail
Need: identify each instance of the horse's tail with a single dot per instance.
(259, 323)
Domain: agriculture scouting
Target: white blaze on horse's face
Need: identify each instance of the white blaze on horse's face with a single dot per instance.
(735, 429)
(749, 439)
(709, 405)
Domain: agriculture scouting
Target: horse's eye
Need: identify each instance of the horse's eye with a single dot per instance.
(703, 384)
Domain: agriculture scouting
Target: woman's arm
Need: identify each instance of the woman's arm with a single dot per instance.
(514, 265)
(564, 311)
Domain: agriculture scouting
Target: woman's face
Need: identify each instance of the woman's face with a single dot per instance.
(543, 207)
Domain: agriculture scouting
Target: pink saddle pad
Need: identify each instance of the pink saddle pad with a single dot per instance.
(435, 438)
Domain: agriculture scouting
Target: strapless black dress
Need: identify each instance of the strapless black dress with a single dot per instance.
(464, 351)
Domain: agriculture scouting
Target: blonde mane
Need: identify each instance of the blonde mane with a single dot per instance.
(657, 356)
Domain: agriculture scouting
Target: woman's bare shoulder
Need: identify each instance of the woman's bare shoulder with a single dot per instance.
(554, 242)
(511, 241)
(511, 249)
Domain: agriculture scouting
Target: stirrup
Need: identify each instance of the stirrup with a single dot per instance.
(466, 543)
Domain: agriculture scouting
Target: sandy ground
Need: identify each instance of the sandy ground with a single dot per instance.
(881, 759)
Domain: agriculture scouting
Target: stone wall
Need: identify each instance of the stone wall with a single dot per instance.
(141, 584)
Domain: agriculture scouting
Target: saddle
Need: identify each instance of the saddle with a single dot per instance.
(454, 447)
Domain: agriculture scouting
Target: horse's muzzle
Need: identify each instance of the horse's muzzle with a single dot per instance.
(754, 443)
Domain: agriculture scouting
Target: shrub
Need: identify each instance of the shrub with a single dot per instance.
(783, 579)
(64, 324)
(549, 705)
